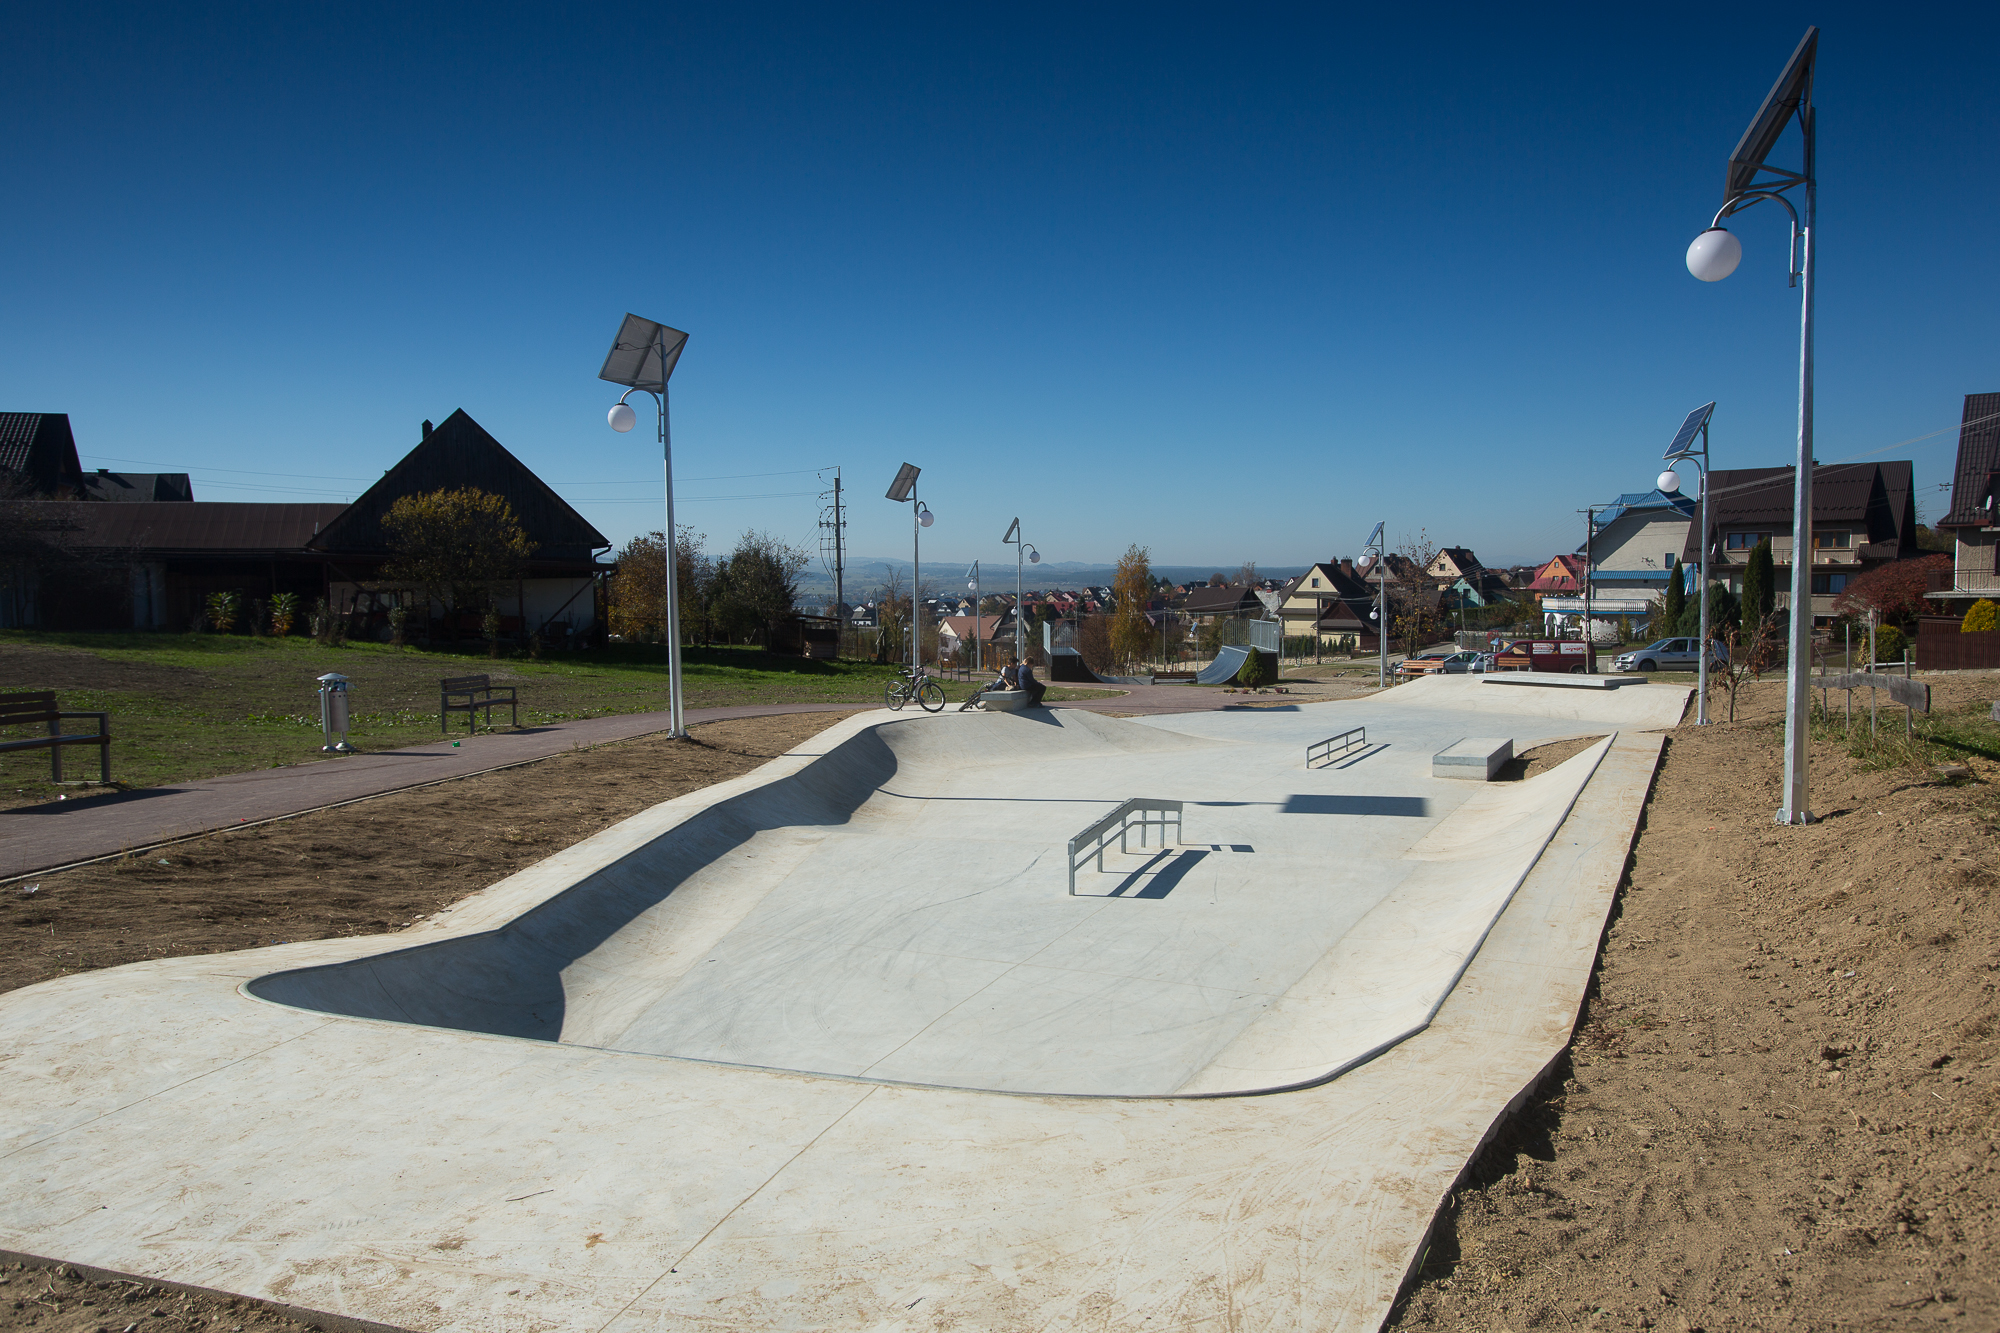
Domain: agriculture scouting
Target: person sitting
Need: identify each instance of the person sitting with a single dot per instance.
(1024, 678)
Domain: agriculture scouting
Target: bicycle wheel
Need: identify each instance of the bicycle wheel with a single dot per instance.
(930, 696)
(893, 697)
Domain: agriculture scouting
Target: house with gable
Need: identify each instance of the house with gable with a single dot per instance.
(151, 560)
(1974, 518)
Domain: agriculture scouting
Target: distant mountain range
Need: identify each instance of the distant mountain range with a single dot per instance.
(865, 574)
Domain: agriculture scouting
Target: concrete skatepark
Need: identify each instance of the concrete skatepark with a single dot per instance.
(832, 1045)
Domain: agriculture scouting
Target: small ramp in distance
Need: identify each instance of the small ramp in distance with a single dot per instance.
(1066, 664)
(1229, 660)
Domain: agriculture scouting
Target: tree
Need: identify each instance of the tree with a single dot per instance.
(1131, 633)
(1721, 613)
(1760, 589)
(1980, 617)
(1246, 573)
(757, 585)
(1414, 617)
(637, 597)
(1674, 602)
(1216, 580)
(456, 545)
(1894, 592)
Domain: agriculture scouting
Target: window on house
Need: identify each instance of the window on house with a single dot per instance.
(1746, 541)
(1824, 584)
(1315, 581)
(1832, 541)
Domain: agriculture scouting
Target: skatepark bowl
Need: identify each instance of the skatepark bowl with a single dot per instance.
(882, 910)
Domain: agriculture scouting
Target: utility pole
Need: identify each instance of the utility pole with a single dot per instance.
(1589, 568)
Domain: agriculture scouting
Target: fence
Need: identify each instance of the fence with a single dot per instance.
(1092, 841)
(1942, 646)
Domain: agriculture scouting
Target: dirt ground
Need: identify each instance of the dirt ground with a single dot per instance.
(1779, 1109)
(364, 869)
(62, 1300)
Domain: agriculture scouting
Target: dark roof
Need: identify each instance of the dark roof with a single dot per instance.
(1877, 497)
(132, 487)
(460, 453)
(1225, 600)
(194, 525)
(39, 447)
(1460, 556)
(1978, 463)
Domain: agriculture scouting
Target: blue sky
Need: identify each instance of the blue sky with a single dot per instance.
(1228, 282)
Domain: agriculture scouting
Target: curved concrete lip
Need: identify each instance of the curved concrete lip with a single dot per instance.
(888, 902)
(157, 1120)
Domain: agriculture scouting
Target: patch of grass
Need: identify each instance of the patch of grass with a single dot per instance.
(1938, 737)
(187, 706)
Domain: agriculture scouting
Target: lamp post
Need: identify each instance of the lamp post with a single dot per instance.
(972, 586)
(1712, 257)
(1021, 547)
(1375, 553)
(904, 490)
(642, 358)
(1683, 448)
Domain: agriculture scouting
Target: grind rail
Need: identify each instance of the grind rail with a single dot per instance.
(1144, 811)
(1342, 742)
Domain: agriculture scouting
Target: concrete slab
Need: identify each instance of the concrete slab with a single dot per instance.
(1478, 758)
(1560, 680)
(448, 1140)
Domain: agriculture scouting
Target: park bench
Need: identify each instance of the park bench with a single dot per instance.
(469, 694)
(39, 709)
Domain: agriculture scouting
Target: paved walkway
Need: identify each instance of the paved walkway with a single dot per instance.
(59, 833)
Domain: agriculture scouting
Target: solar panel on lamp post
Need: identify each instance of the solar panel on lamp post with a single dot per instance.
(642, 358)
(1034, 557)
(1712, 257)
(1669, 483)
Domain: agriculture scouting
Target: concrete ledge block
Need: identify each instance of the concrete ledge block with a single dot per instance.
(1560, 680)
(1477, 758)
(1005, 701)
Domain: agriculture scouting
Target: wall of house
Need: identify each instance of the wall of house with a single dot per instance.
(1639, 543)
(1973, 563)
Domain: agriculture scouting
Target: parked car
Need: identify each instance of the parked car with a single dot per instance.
(1422, 664)
(1671, 655)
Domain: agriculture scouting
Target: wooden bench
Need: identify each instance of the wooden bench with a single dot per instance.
(469, 694)
(38, 709)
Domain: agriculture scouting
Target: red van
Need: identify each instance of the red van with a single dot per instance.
(1572, 656)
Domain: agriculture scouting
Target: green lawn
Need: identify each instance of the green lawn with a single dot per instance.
(195, 705)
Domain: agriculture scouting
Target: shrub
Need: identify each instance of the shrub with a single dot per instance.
(1888, 644)
(223, 608)
(284, 611)
(1983, 615)
(1256, 670)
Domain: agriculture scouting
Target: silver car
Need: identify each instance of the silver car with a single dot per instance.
(1670, 655)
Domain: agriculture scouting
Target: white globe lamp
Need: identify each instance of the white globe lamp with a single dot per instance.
(1669, 482)
(1714, 254)
(1034, 557)
(622, 418)
(925, 519)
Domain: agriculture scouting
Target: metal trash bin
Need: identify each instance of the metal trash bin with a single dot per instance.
(333, 713)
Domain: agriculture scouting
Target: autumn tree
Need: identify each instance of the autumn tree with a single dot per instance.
(1414, 616)
(637, 596)
(1132, 587)
(456, 545)
(1980, 618)
(1894, 592)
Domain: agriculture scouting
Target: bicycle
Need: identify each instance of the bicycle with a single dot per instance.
(928, 694)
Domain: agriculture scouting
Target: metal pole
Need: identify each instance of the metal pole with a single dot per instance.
(676, 723)
(1796, 809)
(1701, 684)
(839, 583)
(1382, 616)
(916, 578)
(1847, 664)
(1017, 599)
(978, 639)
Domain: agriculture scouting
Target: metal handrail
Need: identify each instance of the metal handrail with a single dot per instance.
(1339, 741)
(1091, 842)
